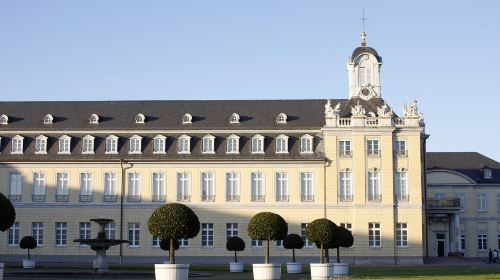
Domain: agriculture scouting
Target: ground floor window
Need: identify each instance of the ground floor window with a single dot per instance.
(61, 234)
(257, 243)
(109, 230)
(346, 226)
(303, 227)
(207, 235)
(183, 243)
(231, 230)
(463, 242)
(13, 239)
(156, 241)
(374, 235)
(37, 232)
(85, 231)
(482, 241)
(134, 230)
(402, 235)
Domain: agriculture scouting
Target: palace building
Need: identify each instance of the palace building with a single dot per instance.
(353, 160)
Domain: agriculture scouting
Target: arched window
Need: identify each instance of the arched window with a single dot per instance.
(112, 144)
(187, 119)
(208, 144)
(17, 144)
(258, 144)
(235, 118)
(281, 118)
(306, 144)
(94, 119)
(48, 119)
(41, 144)
(4, 119)
(282, 144)
(135, 144)
(159, 144)
(184, 144)
(233, 144)
(364, 71)
(88, 144)
(64, 144)
(139, 118)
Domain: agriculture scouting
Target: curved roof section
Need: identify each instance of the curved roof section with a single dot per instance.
(361, 50)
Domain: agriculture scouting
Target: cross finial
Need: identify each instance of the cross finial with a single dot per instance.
(363, 34)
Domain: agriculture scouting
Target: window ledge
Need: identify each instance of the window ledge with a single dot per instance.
(111, 153)
(41, 153)
(307, 152)
(87, 153)
(232, 153)
(63, 153)
(258, 153)
(158, 153)
(184, 153)
(208, 152)
(134, 153)
(16, 153)
(282, 152)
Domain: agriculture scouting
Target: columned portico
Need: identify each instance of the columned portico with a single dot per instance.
(444, 227)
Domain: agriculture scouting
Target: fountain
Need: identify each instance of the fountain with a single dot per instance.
(100, 245)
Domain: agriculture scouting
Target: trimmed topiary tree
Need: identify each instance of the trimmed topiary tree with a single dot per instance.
(342, 238)
(7, 213)
(235, 244)
(165, 244)
(174, 221)
(269, 227)
(321, 231)
(28, 242)
(293, 241)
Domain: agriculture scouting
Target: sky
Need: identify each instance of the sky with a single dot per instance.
(444, 54)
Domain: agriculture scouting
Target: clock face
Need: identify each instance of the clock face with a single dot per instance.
(365, 92)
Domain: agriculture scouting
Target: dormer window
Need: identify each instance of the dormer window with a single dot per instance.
(234, 119)
(4, 119)
(48, 119)
(306, 144)
(139, 118)
(159, 144)
(135, 144)
(187, 119)
(184, 145)
(281, 118)
(282, 144)
(258, 144)
(88, 144)
(487, 174)
(41, 145)
(17, 144)
(64, 144)
(94, 119)
(112, 144)
(233, 144)
(208, 144)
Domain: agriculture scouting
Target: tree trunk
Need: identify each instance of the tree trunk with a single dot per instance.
(29, 257)
(267, 252)
(293, 250)
(171, 252)
(321, 260)
(338, 254)
(235, 257)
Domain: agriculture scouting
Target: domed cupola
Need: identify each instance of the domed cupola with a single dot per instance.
(364, 71)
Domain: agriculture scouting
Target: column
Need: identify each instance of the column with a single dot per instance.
(457, 232)
(452, 234)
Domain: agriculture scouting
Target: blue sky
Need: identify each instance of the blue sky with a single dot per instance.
(443, 53)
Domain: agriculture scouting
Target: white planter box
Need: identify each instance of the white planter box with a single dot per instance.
(235, 267)
(266, 271)
(1, 271)
(171, 271)
(29, 264)
(293, 267)
(340, 269)
(321, 271)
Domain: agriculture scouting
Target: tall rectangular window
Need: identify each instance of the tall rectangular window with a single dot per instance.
(109, 230)
(156, 241)
(39, 184)
(374, 239)
(282, 144)
(61, 234)
(257, 186)
(498, 203)
(402, 235)
(17, 145)
(85, 231)
(135, 145)
(159, 144)
(110, 189)
(401, 184)
(62, 186)
(461, 196)
(345, 148)
(400, 148)
(306, 186)
(41, 145)
(373, 148)
(481, 202)
(482, 242)
(345, 178)
(258, 144)
(207, 235)
(463, 242)
(86, 187)
(13, 239)
(232, 186)
(159, 187)
(112, 145)
(233, 144)
(88, 145)
(15, 187)
(134, 231)
(306, 144)
(184, 187)
(37, 232)
(207, 186)
(365, 74)
(374, 186)
(183, 144)
(231, 230)
(64, 145)
(134, 187)
(208, 144)
(281, 183)
(303, 227)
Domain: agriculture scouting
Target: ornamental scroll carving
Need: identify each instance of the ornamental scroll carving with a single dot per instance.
(358, 111)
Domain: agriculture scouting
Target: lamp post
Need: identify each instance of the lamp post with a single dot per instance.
(124, 166)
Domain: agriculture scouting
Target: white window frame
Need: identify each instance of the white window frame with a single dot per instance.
(365, 72)
(139, 119)
(234, 119)
(41, 145)
(85, 231)
(306, 186)
(400, 148)
(481, 202)
(401, 185)
(233, 191)
(402, 235)
(208, 144)
(307, 243)
(462, 198)
(134, 184)
(64, 145)
(86, 186)
(282, 144)
(373, 147)
(374, 235)
(257, 186)
(374, 185)
(48, 119)
(187, 119)
(281, 118)
(110, 230)
(61, 236)
(233, 144)
(345, 148)
(15, 184)
(159, 144)
(207, 235)
(207, 186)
(37, 233)
(281, 186)
(183, 186)
(232, 229)
(111, 144)
(135, 144)
(94, 119)
(156, 241)
(17, 146)
(4, 119)
(482, 241)
(110, 183)
(306, 144)
(184, 144)
(158, 186)
(134, 235)
(345, 183)
(13, 235)
(258, 144)
(463, 241)
(88, 144)
(39, 186)
(62, 183)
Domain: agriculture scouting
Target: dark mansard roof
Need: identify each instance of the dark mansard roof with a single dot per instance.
(471, 164)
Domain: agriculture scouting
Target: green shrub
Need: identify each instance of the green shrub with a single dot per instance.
(7, 213)
(28, 242)
(293, 241)
(321, 231)
(267, 226)
(174, 221)
(235, 244)
(342, 238)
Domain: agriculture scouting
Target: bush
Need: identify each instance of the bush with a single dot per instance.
(321, 231)
(165, 244)
(293, 241)
(235, 244)
(342, 238)
(28, 242)
(174, 221)
(7, 213)
(267, 226)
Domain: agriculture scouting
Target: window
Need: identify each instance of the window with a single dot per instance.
(282, 144)
(487, 173)
(159, 187)
(347, 226)
(15, 187)
(94, 119)
(463, 242)
(461, 196)
(258, 144)
(481, 202)
(88, 144)
(482, 241)
(439, 195)
(233, 144)
(233, 186)
(281, 118)
(112, 144)
(257, 186)
(183, 243)
(306, 186)
(37, 232)
(62, 186)
(207, 235)
(134, 187)
(374, 235)
(110, 182)
(109, 230)
(139, 118)
(85, 231)
(4, 119)
(17, 144)
(345, 148)
(373, 148)
(48, 119)
(208, 144)
(184, 187)
(345, 178)
(156, 241)
(281, 182)
(257, 243)
(187, 119)
(135, 144)
(41, 145)
(374, 186)
(13, 239)
(364, 71)
(61, 234)
(39, 185)
(64, 144)
(234, 119)
(159, 144)
(402, 235)
(400, 148)
(134, 231)
(86, 187)
(303, 227)
(207, 186)
(306, 144)
(183, 144)
(498, 204)
(401, 185)
(231, 230)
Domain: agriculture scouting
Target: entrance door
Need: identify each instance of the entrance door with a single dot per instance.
(440, 248)
(441, 244)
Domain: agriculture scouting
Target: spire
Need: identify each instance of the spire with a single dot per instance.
(363, 39)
